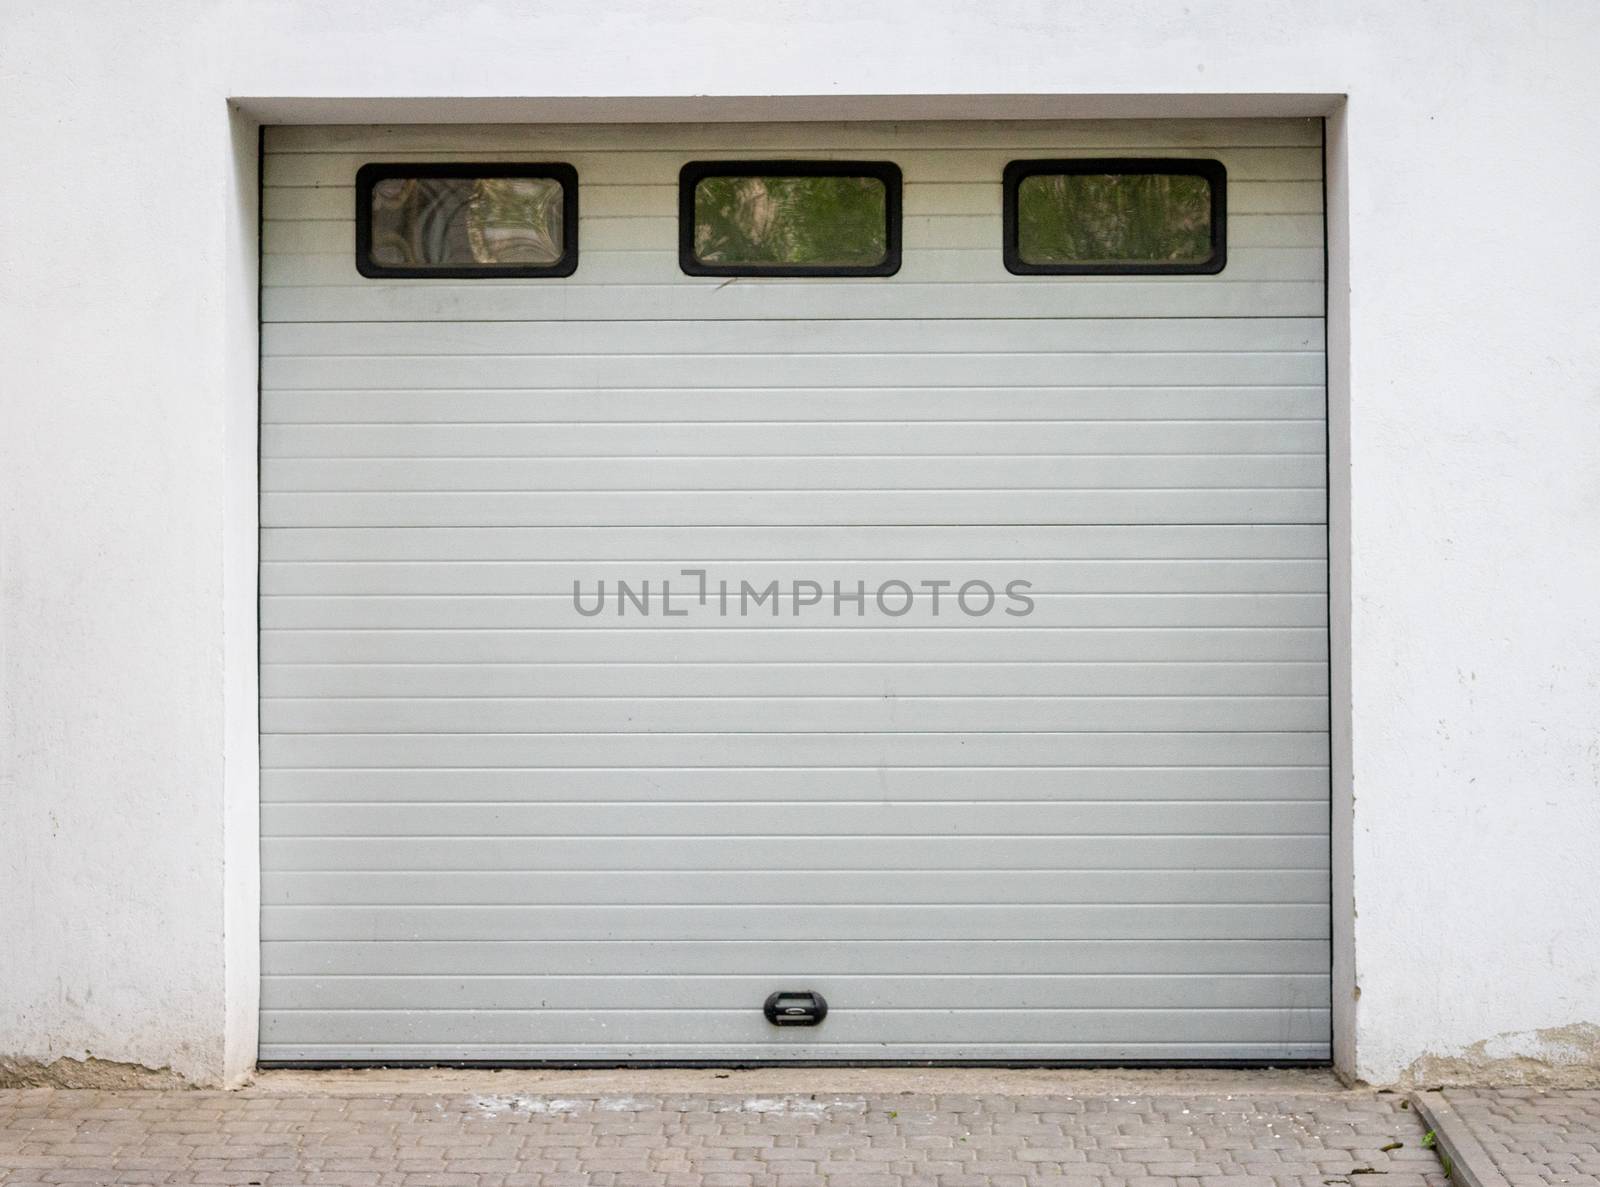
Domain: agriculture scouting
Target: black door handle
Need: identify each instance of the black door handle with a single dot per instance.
(786, 1008)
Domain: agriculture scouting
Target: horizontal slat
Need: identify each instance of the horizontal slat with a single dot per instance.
(737, 993)
(764, 784)
(398, 339)
(941, 921)
(870, 643)
(823, 714)
(699, 300)
(313, 406)
(851, 1035)
(770, 137)
(798, 853)
(783, 1049)
(795, 750)
(691, 546)
(721, 508)
(556, 577)
(871, 1003)
(558, 612)
(833, 958)
(529, 372)
(645, 818)
(973, 259)
(790, 439)
(777, 888)
(644, 166)
(864, 679)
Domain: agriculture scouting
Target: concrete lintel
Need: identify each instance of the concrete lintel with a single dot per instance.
(374, 109)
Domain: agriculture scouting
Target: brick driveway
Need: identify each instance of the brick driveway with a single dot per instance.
(483, 1139)
(1535, 1138)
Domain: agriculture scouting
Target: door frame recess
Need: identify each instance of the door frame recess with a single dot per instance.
(240, 381)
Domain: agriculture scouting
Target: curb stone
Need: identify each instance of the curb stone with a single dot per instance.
(1468, 1162)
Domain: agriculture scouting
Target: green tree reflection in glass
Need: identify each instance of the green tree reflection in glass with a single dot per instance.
(829, 222)
(1114, 218)
(421, 222)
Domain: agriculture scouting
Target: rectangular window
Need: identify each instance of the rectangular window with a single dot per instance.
(466, 221)
(1097, 217)
(789, 218)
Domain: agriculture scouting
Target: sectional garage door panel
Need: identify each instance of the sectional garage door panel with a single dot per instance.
(497, 829)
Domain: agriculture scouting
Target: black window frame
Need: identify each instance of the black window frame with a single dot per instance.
(695, 172)
(1212, 170)
(370, 175)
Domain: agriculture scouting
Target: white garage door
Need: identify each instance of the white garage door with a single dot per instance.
(1089, 823)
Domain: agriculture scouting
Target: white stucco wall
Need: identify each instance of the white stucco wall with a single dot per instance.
(1466, 398)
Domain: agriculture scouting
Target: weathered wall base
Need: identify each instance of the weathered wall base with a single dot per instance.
(105, 1074)
(1560, 1057)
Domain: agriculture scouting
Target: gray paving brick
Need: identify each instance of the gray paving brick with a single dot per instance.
(913, 1140)
(1535, 1137)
